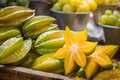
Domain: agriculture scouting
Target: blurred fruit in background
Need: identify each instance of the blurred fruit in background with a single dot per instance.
(110, 18)
(75, 5)
(5, 3)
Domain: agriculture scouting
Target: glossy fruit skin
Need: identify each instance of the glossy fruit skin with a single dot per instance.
(110, 18)
(75, 5)
(45, 40)
(108, 75)
(38, 25)
(57, 6)
(48, 64)
(14, 16)
(9, 46)
(17, 54)
(6, 33)
(103, 19)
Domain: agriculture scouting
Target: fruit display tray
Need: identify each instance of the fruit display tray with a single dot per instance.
(21, 73)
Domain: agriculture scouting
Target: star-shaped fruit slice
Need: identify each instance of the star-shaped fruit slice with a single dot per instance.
(75, 49)
(100, 58)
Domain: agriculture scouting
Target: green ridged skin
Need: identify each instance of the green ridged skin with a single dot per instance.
(17, 54)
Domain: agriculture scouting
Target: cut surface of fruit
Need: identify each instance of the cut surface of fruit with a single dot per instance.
(74, 50)
(17, 54)
(103, 54)
(91, 68)
(108, 75)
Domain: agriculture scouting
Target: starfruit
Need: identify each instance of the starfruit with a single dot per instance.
(6, 33)
(15, 15)
(75, 50)
(27, 61)
(37, 25)
(101, 57)
(104, 54)
(49, 41)
(91, 68)
(48, 64)
(13, 50)
(108, 75)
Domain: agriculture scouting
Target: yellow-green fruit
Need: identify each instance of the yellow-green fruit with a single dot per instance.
(85, 7)
(36, 33)
(108, 75)
(9, 46)
(67, 8)
(28, 60)
(6, 33)
(57, 6)
(15, 15)
(104, 61)
(92, 4)
(110, 50)
(49, 42)
(17, 54)
(48, 64)
(91, 68)
(37, 25)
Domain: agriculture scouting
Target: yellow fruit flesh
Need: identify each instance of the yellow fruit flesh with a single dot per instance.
(73, 52)
(91, 68)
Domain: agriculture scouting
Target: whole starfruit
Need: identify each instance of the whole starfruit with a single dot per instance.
(9, 32)
(37, 25)
(14, 49)
(49, 64)
(49, 41)
(15, 15)
(108, 75)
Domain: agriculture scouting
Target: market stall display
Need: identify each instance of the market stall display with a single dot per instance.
(47, 52)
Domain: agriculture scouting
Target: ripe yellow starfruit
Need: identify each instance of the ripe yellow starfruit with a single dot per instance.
(75, 49)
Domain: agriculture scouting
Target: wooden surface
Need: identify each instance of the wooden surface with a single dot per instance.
(21, 73)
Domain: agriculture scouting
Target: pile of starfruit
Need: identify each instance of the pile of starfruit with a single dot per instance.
(36, 42)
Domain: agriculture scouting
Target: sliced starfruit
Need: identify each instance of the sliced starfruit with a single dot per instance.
(17, 54)
(110, 50)
(108, 75)
(35, 34)
(103, 55)
(75, 49)
(15, 15)
(37, 25)
(6, 33)
(45, 40)
(9, 46)
(91, 68)
(48, 64)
